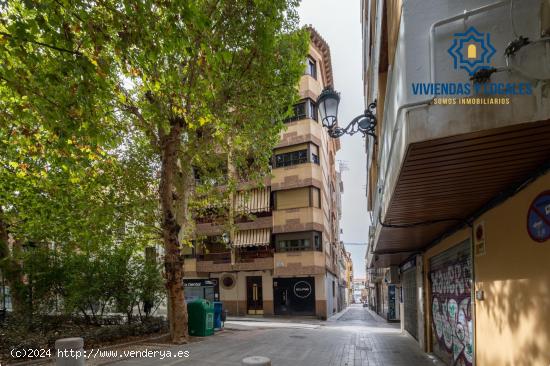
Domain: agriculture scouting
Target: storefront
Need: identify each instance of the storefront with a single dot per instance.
(201, 288)
(450, 279)
(294, 296)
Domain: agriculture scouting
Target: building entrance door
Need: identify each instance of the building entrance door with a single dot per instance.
(254, 295)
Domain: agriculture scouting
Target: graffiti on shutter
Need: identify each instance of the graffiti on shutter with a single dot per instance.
(450, 280)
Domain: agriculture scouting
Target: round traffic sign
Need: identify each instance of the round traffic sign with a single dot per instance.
(538, 218)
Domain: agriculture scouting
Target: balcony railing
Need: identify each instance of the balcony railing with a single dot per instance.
(224, 257)
(240, 256)
(250, 256)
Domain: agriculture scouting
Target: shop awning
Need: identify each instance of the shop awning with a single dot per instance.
(252, 238)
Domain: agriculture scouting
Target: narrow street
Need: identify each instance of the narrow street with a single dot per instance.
(355, 338)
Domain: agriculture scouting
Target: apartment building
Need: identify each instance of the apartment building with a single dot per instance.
(349, 278)
(286, 260)
(458, 182)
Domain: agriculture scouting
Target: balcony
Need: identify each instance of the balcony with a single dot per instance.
(215, 258)
(251, 256)
(250, 260)
(210, 228)
(261, 258)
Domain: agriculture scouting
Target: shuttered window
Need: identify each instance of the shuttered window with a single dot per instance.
(298, 198)
(292, 198)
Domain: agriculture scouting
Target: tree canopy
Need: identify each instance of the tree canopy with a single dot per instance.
(108, 107)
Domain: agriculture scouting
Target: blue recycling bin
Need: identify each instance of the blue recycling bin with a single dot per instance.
(218, 306)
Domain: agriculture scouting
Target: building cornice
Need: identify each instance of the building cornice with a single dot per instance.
(324, 48)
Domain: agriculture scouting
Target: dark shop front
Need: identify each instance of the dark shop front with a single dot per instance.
(294, 296)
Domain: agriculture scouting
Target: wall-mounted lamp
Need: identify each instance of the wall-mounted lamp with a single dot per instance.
(327, 103)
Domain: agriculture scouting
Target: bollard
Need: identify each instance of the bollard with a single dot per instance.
(69, 352)
(256, 361)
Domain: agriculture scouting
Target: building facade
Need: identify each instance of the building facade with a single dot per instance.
(288, 260)
(458, 182)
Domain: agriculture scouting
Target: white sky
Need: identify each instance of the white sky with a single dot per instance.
(339, 23)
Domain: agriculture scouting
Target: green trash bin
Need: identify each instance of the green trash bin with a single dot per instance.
(201, 318)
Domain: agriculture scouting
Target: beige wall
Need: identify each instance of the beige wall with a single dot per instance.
(237, 294)
(299, 263)
(297, 219)
(513, 320)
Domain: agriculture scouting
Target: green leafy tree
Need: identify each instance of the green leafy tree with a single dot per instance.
(195, 79)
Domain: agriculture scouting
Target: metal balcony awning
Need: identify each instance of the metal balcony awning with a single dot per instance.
(252, 238)
(253, 200)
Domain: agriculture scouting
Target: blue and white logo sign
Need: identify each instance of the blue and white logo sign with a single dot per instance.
(538, 218)
(472, 51)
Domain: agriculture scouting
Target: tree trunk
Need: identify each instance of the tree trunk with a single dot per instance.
(177, 310)
(11, 269)
(231, 175)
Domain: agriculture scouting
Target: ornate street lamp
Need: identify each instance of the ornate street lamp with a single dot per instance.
(327, 104)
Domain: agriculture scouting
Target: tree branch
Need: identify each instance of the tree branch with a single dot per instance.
(60, 49)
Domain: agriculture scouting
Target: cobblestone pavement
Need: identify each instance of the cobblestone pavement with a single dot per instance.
(356, 338)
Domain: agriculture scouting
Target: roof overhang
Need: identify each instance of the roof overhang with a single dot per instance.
(323, 47)
(443, 182)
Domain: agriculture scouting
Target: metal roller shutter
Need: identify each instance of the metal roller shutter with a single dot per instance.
(408, 281)
(450, 280)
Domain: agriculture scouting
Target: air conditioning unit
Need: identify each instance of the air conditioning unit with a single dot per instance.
(392, 275)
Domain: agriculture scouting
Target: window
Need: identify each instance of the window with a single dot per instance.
(311, 67)
(293, 245)
(296, 154)
(298, 198)
(312, 110)
(301, 241)
(315, 197)
(317, 240)
(314, 154)
(291, 158)
(302, 110)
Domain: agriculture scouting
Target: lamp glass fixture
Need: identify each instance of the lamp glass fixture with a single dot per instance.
(327, 104)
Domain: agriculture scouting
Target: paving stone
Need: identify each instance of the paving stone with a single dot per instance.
(355, 339)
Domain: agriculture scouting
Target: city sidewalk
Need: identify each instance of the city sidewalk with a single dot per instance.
(354, 338)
